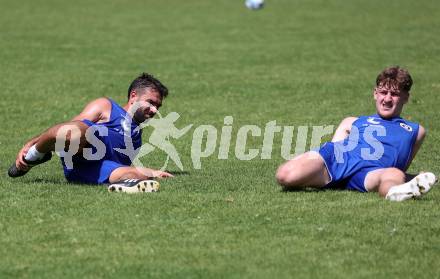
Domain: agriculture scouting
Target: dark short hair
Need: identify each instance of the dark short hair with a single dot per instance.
(395, 76)
(147, 81)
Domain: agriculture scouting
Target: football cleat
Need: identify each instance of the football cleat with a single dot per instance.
(416, 187)
(13, 171)
(134, 186)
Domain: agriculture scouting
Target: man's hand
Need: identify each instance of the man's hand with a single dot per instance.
(343, 129)
(19, 161)
(161, 174)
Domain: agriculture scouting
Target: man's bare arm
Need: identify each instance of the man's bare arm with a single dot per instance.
(419, 140)
(343, 129)
(96, 111)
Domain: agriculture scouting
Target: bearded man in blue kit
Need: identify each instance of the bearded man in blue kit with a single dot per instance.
(104, 126)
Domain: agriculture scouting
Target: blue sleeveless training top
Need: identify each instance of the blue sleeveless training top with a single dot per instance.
(373, 142)
(98, 171)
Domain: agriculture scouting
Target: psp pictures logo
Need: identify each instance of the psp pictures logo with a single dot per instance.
(223, 140)
(207, 140)
(228, 141)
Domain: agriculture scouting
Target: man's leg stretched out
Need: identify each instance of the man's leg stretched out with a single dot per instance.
(306, 170)
(141, 173)
(309, 170)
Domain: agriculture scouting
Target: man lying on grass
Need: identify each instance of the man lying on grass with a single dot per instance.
(367, 153)
(106, 127)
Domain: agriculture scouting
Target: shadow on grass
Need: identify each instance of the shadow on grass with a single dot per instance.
(45, 180)
(180, 173)
(53, 180)
(335, 187)
(59, 181)
(310, 189)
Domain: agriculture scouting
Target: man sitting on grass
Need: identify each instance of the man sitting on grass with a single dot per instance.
(95, 137)
(367, 153)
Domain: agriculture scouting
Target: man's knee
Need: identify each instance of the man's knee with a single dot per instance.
(286, 176)
(393, 174)
(281, 176)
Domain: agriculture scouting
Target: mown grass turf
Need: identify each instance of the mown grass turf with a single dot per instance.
(297, 62)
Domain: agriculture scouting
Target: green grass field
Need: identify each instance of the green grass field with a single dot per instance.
(301, 63)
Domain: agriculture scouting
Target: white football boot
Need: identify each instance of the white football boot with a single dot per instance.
(134, 186)
(416, 187)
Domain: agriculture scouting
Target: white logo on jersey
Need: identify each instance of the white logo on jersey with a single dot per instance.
(372, 121)
(406, 127)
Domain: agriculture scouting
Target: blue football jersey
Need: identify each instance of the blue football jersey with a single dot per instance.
(373, 142)
(122, 134)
